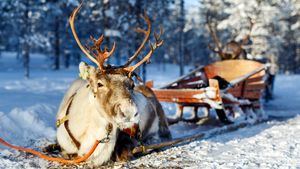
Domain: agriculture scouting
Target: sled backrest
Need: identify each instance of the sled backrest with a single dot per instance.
(250, 88)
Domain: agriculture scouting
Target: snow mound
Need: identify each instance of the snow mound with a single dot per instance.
(37, 85)
(21, 125)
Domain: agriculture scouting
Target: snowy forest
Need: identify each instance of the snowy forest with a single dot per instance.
(32, 26)
(218, 89)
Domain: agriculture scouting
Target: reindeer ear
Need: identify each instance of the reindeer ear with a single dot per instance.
(85, 71)
(89, 73)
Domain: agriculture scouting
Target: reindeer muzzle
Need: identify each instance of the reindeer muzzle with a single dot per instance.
(132, 130)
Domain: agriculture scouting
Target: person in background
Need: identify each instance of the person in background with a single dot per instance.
(271, 71)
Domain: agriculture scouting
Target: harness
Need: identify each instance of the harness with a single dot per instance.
(65, 121)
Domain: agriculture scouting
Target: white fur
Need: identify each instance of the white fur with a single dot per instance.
(72, 89)
(127, 110)
(87, 125)
(88, 120)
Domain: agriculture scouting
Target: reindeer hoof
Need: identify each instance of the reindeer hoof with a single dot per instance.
(52, 149)
(125, 155)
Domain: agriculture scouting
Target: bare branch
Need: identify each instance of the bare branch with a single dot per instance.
(247, 37)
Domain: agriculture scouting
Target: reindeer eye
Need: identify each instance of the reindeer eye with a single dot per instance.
(99, 84)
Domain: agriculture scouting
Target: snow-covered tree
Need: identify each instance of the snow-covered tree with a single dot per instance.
(42, 26)
(276, 23)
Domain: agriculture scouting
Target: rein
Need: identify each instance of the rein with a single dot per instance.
(62, 160)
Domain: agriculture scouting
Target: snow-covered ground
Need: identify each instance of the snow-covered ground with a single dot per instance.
(267, 145)
(28, 108)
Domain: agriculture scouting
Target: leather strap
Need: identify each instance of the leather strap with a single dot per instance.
(66, 124)
(65, 121)
(76, 142)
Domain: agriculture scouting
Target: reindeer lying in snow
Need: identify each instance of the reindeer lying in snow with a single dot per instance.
(105, 102)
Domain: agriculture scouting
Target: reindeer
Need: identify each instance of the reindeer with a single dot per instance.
(105, 102)
(232, 49)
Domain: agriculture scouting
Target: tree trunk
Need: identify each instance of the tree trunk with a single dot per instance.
(138, 12)
(26, 59)
(19, 49)
(26, 45)
(144, 67)
(67, 59)
(297, 51)
(181, 38)
(106, 7)
(56, 44)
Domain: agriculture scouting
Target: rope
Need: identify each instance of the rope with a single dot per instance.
(62, 160)
(49, 158)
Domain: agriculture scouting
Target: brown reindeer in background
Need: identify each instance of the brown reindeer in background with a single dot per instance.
(232, 49)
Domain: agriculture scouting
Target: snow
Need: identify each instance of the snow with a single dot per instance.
(28, 109)
(267, 145)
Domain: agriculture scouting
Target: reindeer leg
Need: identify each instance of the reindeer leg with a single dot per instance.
(52, 149)
(123, 147)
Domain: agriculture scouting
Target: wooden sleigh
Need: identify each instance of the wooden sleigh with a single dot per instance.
(222, 86)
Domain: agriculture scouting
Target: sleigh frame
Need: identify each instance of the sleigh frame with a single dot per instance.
(204, 87)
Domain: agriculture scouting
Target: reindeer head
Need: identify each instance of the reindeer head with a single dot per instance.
(111, 93)
(111, 87)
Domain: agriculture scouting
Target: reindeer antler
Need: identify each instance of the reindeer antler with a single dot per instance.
(146, 38)
(213, 33)
(153, 47)
(101, 55)
(247, 37)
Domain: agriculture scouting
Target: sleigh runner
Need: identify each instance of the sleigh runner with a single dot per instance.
(222, 86)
